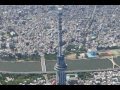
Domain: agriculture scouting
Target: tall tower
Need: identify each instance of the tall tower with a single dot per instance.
(60, 66)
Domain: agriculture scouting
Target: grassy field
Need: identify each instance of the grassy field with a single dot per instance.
(117, 60)
(50, 56)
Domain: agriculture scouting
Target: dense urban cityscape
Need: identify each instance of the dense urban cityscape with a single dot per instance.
(33, 28)
(29, 33)
(90, 78)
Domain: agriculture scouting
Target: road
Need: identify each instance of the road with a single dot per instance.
(43, 66)
(43, 63)
(113, 62)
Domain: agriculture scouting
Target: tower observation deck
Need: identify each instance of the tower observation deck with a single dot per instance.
(60, 66)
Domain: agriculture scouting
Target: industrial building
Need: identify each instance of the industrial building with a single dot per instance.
(91, 53)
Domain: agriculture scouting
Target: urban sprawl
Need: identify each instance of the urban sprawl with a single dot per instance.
(29, 31)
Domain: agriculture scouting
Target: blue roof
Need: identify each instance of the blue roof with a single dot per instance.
(91, 54)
